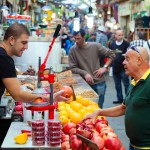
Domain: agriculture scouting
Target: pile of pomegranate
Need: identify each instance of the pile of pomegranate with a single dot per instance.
(99, 132)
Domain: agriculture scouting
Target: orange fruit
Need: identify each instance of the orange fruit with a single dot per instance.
(76, 118)
(63, 119)
(92, 103)
(82, 112)
(61, 104)
(61, 108)
(85, 102)
(89, 109)
(77, 106)
(63, 113)
(79, 98)
(87, 113)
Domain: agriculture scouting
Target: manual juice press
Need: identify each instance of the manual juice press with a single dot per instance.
(44, 106)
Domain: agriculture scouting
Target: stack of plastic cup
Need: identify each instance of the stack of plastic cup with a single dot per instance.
(53, 133)
(38, 132)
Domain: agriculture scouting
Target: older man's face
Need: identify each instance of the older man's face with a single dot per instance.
(131, 62)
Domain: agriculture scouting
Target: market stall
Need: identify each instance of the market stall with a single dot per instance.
(66, 126)
(16, 127)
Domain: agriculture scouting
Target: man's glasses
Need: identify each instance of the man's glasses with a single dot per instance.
(134, 48)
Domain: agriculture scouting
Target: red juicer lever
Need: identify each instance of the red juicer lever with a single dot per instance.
(50, 48)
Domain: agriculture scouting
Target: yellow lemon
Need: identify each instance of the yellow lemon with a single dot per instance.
(21, 138)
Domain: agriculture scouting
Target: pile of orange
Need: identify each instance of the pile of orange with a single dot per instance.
(75, 111)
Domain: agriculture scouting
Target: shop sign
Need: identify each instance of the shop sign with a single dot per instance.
(142, 13)
(47, 14)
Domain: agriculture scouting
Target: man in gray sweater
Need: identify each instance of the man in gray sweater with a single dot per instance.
(84, 59)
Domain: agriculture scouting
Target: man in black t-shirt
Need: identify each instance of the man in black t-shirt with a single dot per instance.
(117, 65)
(15, 42)
(7, 69)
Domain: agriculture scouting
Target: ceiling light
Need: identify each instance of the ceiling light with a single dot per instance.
(90, 18)
(76, 22)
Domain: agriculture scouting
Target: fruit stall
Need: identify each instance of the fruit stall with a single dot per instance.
(66, 131)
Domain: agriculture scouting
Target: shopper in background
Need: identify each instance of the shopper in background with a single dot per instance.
(140, 38)
(15, 42)
(70, 24)
(119, 75)
(69, 43)
(101, 36)
(64, 36)
(84, 60)
(130, 36)
(108, 33)
(136, 104)
(92, 37)
(112, 38)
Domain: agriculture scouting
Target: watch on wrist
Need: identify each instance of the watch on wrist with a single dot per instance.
(105, 66)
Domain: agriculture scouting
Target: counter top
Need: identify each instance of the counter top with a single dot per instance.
(83, 87)
(14, 130)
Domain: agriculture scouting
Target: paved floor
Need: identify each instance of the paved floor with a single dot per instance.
(117, 123)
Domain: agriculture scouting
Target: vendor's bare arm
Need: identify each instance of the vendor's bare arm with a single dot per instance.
(13, 87)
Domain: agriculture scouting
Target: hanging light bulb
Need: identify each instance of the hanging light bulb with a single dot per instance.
(90, 18)
(76, 22)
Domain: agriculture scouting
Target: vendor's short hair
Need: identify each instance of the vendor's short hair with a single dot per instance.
(16, 30)
(81, 31)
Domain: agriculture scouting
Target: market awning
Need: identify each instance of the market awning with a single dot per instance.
(142, 13)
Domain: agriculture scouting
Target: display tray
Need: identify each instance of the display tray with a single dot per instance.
(26, 76)
(14, 130)
(84, 89)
